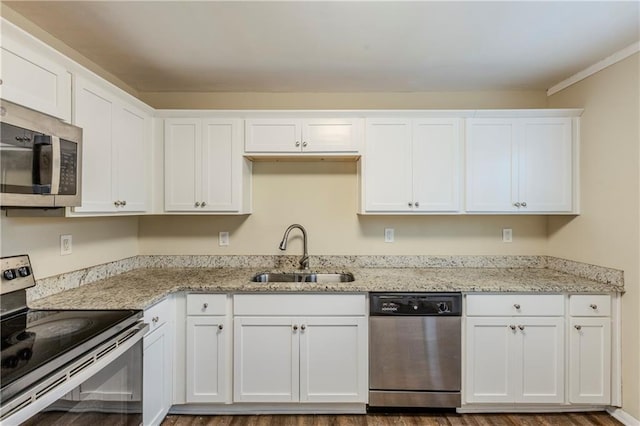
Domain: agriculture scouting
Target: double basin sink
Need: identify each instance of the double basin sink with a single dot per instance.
(302, 277)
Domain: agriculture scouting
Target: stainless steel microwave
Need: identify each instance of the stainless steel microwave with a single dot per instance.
(40, 159)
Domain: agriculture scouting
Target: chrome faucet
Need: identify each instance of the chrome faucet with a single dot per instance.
(304, 261)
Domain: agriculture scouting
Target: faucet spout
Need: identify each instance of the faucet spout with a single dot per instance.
(304, 260)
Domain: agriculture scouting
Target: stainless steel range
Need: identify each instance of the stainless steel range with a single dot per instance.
(54, 363)
(415, 350)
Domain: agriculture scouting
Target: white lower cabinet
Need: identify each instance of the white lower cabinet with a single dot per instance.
(206, 354)
(158, 363)
(590, 350)
(515, 359)
(300, 358)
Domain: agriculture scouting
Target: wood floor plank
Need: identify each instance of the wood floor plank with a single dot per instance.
(394, 419)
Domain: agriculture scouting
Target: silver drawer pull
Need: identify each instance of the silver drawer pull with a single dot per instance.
(303, 327)
(304, 144)
(516, 305)
(512, 327)
(521, 327)
(297, 143)
(220, 327)
(578, 327)
(205, 305)
(295, 327)
(593, 306)
(524, 204)
(155, 319)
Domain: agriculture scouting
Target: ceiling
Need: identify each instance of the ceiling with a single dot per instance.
(358, 46)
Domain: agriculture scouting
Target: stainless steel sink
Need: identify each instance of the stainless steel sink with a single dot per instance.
(302, 277)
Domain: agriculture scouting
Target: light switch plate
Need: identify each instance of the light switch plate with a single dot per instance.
(223, 239)
(507, 235)
(388, 235)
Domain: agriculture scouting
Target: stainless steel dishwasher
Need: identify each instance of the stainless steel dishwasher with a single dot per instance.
(414, 350)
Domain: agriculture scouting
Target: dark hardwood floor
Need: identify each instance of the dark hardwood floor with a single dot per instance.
(439, 419)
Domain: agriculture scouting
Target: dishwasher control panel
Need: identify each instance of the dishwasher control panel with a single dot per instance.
(419, 304)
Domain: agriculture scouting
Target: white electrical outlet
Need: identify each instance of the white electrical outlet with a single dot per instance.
(388, 235)
(507, 235)
(66, 245)
(223, 239)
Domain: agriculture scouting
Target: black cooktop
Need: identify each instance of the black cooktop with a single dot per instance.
(36, 343)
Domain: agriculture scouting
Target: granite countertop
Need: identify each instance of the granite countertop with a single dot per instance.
(141, 288)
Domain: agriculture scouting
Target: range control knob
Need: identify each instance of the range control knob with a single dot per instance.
(10, 362)
(24, 271)
(25, 354)
(9, 274)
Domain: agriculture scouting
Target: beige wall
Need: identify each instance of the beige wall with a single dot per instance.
(95, 241)
(322, 196)
(607, 232)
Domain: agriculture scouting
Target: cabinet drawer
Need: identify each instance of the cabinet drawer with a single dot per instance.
(515, 305)
(157, 314)
(590, 305)
(299, 304)
(206, 304)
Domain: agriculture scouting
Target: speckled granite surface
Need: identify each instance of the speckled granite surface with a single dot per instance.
(145, 285)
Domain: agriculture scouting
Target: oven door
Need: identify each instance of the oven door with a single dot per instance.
(103, 386)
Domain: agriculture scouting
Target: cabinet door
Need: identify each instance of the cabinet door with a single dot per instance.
(545, 167)
(94, 112)
(490, 344)
(333, 359)
(31, 79)
(541, 357)
(491, 165)
(436, 165)
(182, 164)
(221, 163)
(590, 361)
(273, 135)
(206, 359)
(387, 166)
(131, 150)
(330, 135)
(156, 377)
(266, 359)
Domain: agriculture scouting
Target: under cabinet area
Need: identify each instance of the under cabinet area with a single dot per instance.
(520, 165)
(204, 170)
(300, 348)
(207, 340)
(590, 349)
(297, 136)
(516, 355)
(115, 149)
(411, 166)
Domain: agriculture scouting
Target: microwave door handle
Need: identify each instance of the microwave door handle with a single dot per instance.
(55, 164)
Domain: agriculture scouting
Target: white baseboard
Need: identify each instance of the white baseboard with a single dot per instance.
(541, 408)
(623, 417)
(256, 408)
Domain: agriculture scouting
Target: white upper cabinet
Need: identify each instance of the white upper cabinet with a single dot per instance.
(520, 165)
(411, 166)
(115, 150)
(313, 136)
(31, 76)
(204, 167)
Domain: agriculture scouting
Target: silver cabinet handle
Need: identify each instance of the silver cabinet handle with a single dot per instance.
(205, 305)
(578, 327)
(297, 143)
(197, 204)
(220, 327)
(304, 144)
(116, 203)
(593, 306)
(295, 327)
(516, 204)
(123, 202)
(512, 327)
(203, 204)
(155, 320)
(303, 327)
(521, 327)
(516, 305)
(410, 204)
(417, 204)
(524, 204)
